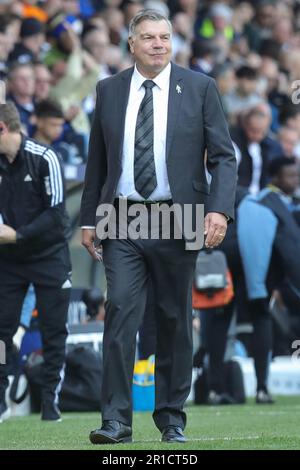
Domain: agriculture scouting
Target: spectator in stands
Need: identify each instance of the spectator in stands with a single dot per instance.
(282, 32)
(261, 27)
(30, 9)
(182, 33)
(217, 23)
(32, 38)
(116, 26)
(254, 147)
(96, 42)
(225, 79)
(204, 55)
(288, 139)
(21, 86)
(42, 81)
(75, 81)
(284, 179)
(245, 93)
(49, 122)
(4, 47)
(289, 116)
(52, 129)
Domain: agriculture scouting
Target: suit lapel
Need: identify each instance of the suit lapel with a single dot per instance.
(121, 105)
(175, 99)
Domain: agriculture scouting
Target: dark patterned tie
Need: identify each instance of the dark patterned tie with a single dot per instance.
(144, 166)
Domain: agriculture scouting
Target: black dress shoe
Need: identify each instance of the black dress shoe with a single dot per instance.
(111, 432)
(172, 434)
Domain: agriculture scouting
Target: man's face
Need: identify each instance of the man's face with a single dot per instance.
(42, 82)
(288, 179)
(23, 81)
(288, 139)
(256, 128)
(151, 47)
(50, 127)
(246, 86)
(97, 43)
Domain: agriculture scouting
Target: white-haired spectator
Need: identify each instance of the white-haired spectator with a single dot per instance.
(254, 147)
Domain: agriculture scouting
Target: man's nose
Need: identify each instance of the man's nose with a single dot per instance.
(157, 43)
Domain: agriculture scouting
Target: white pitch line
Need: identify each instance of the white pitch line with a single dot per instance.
(205, 439)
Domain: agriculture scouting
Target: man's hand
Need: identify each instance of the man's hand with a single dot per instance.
(215, 226)
(87, 240)
(7, 234)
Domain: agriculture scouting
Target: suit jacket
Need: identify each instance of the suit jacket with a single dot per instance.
(195, 123)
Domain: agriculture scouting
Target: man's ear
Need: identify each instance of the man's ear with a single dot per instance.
(131, 45)
(3, 127)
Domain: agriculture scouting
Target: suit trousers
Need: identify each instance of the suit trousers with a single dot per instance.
(128, 265)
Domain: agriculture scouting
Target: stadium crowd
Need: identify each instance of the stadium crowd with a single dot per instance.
(52, 53)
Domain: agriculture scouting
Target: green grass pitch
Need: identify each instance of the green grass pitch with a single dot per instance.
(247, 426)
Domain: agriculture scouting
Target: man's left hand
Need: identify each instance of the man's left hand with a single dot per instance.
(7, 234)
(215, 226)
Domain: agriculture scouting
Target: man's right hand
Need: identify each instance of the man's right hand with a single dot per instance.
(87, 240)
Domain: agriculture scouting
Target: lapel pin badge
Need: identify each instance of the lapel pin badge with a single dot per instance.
(178, 89)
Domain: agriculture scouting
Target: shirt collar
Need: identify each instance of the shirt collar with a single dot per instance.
(161, 80)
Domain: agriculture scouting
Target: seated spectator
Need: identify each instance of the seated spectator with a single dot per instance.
(218, 22)
(282, 32)
(204, 55)
(21, 85)
(52, 129)
(261, 27)
(96, 42)
(9, 33)
(30, 9)
(32, 38)
(182, 33)
(42, 81)
(4, 47)
(289, 116)
(288, 139)
(225, 79)
(254, 147)
(49, 122)
(245, 93)
(74, 79)
(284, 174)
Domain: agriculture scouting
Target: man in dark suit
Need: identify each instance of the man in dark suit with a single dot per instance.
(151, 128)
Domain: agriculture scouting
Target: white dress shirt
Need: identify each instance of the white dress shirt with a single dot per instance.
(160, 92)
(254, 150)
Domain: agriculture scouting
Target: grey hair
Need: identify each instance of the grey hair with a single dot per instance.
(143, 15)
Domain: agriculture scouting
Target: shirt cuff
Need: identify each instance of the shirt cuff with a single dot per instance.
(88, 226)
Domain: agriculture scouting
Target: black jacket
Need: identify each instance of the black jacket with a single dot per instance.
(32, 201)
(270, 149)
